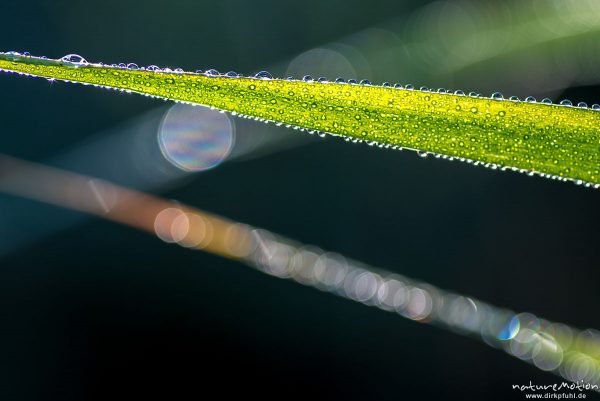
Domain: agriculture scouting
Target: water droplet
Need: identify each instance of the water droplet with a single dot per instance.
(530, 99)
(132, 66)
(365, 82)
(582, 105)
(178, 70)
(211, 73)
(514, 98)
(340, 80)
(73, 58)
(566, 102)
(497, 96)
(424, 89)
(441, 90)
(232, 74)
(263, 75)
(398, 86)
(153, 68)
(26, 54)
(122, 65)
(199, 72)
(307, 78)
(352, 81)
(473, 94)
(547, 100)
(386, 84)
(422, 153)
(322, 79)
(459, 93)
(596, 107)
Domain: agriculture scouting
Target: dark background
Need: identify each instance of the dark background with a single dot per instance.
(100, 311)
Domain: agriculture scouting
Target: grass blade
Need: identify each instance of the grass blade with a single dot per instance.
(556, 141)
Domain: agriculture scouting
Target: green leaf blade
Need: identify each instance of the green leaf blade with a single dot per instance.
(551, 140)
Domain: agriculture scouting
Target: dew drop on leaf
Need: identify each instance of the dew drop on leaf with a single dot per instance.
(263, 75)
(74, 58)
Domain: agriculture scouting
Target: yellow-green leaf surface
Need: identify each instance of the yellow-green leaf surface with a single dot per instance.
(552, 140)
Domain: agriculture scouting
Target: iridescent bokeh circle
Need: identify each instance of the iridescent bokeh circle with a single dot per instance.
(195, 138)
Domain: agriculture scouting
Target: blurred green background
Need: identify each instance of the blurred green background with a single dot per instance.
(94, 310)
